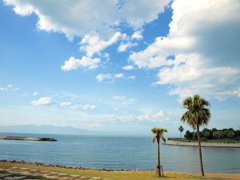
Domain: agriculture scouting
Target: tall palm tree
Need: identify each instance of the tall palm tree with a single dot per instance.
(196, 115)
(181, 130)
(159, 135)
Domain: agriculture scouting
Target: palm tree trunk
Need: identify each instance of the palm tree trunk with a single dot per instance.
(200, 150)
(159, 169)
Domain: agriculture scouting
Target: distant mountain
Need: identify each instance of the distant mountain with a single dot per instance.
(46, 129)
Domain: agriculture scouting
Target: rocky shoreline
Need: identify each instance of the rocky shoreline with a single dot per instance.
(26, 138)
(62, 166)
(192, 144)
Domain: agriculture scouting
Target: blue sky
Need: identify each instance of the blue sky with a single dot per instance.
(118, 66)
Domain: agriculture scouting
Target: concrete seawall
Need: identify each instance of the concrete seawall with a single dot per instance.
(26, 138)
(193, 144)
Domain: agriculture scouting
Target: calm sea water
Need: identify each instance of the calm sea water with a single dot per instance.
(118, 153)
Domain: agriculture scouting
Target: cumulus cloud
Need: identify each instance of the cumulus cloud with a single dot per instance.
(131, 77)
(200, 53)
(86, 16)
(137, 35)
(35, 93)
(102, 77)
(9, 88)
(77, 106)
(85, 107)
(65, 104)
(124, 100)
(128, 67)
(130, 41)
(3, 89)
(124, 46)
(93, 44)
(43, 101)
(119, 75)
(158, 117)
(73, 63)
(86, 19)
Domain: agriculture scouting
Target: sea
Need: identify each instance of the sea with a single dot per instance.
(118, 152)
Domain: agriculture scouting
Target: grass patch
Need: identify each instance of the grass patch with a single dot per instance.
(115, 175)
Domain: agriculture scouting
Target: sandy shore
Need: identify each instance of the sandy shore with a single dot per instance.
(224, 145)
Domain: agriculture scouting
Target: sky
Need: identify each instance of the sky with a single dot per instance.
(118, 66)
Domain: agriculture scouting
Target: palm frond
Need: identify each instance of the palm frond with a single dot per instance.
(154, 130)
(163, 138)
(154, 139)
(196, 114)
(159, 134)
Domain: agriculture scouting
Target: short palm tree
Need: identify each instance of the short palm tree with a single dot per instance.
(196, 115)
(159, 135)
(181, 130)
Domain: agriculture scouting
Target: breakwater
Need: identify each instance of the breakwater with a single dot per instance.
(195, 144)
(26, 138)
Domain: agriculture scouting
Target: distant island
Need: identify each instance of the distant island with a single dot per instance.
(27, 138)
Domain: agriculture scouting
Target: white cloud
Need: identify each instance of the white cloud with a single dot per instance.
(119, 97)
(158, 117)
(93, 44)
(129, 67)
(129, 101)
(43, 101)
(131, 77)
(65, 104)
(203, 38)
(86, 19)
(81, 17)
(124, 46)
(9, 88)
(119, 75)
(130, 41)
(73, 63)
(77, 106)
(137, 35)
(35, 93)
(144, 117)
(124, 100)
(101, 77)
(85, 107)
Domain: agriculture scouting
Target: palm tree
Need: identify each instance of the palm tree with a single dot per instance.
(196, 116)
(159, 135)
(181, 130)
